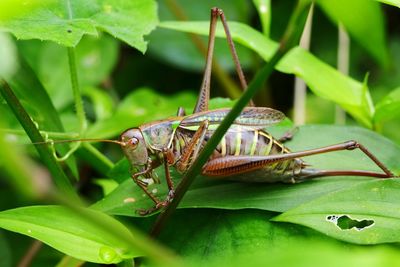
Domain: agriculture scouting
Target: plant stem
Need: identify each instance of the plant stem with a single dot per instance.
(59, 177)
(343, 67)
(224, 79)
(80, 112)
(30, 254)
(300, 88)
(289, 40)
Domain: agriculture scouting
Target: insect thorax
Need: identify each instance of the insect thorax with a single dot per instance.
(158, 135)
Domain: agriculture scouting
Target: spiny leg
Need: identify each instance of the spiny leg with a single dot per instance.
(158, 203)
(168, 159)
(193, 147)
(232, 49)
(190, 153)
(143, 185)
(204, 95)
(231, 165)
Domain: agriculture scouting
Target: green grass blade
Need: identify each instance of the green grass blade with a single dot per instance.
(59, 177)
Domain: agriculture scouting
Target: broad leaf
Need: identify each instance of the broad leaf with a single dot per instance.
(322, 79)
(70, 233)
(95, 59)
(8, 55)
(264, 12)
(364, 214)
(391, 2)
(216, 233)
(179, 48)
(65, 22)
(369, 34)
(128, 197)
(138, 107)
(389, 107)
(22, 173)
(37, 104)
(248, 238)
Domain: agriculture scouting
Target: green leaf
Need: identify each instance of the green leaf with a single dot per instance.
(141, 105)
(228, 234)
(103, 104)
(370, 35)
(95, 57)
(22, 173)
(389, 107)
(390, 2)
(68, 232)
(8, 55)
(304, 254)
(264, 12)
(68, 261)
(248, 238)
(322, 79)
(375, 201)
(179, 49)
(106, 185)
(65, 22)
(38, 104)
(275, 197)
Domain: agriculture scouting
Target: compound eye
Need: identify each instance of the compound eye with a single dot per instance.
(133, 142)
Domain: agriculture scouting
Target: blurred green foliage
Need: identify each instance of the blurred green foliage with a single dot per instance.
(221, 223)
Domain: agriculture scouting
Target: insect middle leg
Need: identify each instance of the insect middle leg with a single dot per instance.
(193, 147)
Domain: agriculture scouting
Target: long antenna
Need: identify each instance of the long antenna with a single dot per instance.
(80, 140)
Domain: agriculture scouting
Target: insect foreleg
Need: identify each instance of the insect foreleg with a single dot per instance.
(143, 185)
(168, 160)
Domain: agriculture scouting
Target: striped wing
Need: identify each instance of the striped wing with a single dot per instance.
(252, 117)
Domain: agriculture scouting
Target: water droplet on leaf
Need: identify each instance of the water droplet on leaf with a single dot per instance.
(107, 254)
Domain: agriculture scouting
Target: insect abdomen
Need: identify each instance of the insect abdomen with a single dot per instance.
(249, 143)
(258, 143)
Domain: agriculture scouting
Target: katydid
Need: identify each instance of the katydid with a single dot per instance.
(246, 153)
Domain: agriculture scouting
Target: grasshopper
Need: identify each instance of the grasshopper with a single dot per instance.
(246, 153)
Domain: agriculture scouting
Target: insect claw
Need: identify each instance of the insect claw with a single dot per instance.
(158, 206)
(144, 212)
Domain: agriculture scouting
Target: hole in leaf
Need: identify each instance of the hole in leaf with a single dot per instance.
(69, 30)
(344, 222)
